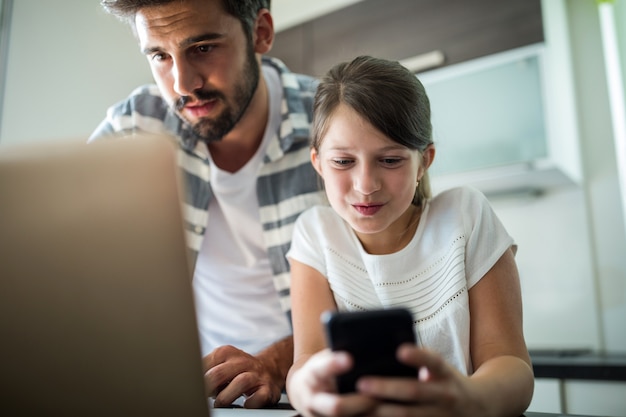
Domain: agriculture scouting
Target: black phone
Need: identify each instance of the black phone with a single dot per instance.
(372, 338)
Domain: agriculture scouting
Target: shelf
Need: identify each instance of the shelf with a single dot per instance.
(531, 178)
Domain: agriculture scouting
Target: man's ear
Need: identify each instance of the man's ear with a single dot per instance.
(263, 32)
(315, 161)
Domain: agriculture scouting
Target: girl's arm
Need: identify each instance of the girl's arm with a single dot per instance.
(503, 376)
(311, 379)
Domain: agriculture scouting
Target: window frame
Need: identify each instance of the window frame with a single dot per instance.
(5, 30)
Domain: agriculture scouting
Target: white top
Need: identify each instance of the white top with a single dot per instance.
(236, 300)
(458, 239)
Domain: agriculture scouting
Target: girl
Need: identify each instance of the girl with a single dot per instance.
(385, 242)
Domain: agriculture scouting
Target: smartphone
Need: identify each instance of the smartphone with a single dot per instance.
(372, 338)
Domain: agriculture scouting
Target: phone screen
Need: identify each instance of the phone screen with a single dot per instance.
(372, 338)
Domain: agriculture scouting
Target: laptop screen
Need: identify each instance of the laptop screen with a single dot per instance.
(96, 306)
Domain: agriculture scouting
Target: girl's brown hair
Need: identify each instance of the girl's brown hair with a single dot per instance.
(384, 93)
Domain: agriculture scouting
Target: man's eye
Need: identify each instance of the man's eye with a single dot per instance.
(204, 48)
(158, 57)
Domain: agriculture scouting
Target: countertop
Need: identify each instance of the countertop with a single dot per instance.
(579, 364)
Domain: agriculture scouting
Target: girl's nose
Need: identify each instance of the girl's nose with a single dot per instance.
(366, 180)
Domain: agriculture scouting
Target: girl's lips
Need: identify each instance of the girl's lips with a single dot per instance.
(367, 209)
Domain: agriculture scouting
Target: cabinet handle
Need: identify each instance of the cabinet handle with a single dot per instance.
(425, 61)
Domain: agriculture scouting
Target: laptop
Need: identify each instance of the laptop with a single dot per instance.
(96, 306)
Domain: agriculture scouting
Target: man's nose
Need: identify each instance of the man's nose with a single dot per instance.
(187, 78)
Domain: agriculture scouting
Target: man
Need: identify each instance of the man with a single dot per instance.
(242, 121)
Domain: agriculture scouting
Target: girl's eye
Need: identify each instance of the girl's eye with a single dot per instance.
(341, 162)
(391, 161)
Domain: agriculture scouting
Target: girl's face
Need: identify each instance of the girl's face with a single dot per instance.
(370, 180)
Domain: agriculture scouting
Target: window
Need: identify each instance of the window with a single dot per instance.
(5, 17)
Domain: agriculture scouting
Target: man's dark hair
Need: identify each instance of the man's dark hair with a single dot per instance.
(244, 10)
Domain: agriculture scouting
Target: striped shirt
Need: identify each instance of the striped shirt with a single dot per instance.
(286, 183)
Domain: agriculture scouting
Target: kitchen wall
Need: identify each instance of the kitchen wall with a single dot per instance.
(601, 188)
(68, 62)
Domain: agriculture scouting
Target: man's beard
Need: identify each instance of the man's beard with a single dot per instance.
(211, 130)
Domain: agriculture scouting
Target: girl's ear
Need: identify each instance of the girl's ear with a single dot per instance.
(315, 161)
(263, 35)
(428, 156)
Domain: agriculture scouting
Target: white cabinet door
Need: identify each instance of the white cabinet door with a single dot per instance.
(490, 126)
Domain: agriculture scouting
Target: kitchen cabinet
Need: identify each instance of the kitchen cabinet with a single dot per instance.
(506, 123)
(502, 101)
(490, 124)
(400, 29)
(488, 112)
(579, 382)
(592, 398)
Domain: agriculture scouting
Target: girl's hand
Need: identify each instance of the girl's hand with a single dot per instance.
(314, 390)
(439, 390)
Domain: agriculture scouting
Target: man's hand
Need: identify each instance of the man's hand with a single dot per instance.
(231, 373)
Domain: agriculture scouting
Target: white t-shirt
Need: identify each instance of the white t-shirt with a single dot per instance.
(458, 239)
(236, 300)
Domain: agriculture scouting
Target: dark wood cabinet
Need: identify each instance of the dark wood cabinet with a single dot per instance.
(400, 29)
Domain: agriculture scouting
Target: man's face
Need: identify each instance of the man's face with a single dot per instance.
(202, 62)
